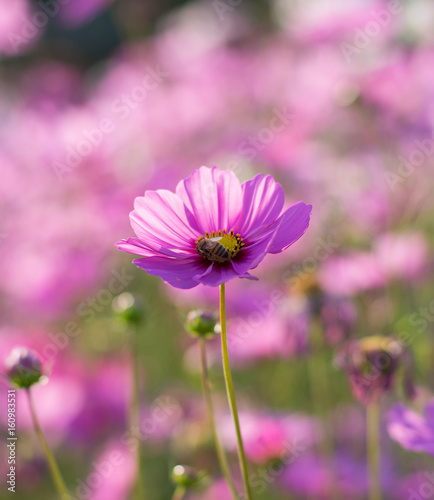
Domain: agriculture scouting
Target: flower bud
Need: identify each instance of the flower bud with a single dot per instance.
(23, 367)
(186, 476)
(372, 363)
(201, 323)
(129, 307)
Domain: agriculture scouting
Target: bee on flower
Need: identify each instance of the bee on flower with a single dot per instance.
(212, 228)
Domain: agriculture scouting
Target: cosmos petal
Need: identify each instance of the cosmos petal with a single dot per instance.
(160, 217)
(147, 249)
(263, 200)
(183, 284)
(170, 269)
(216, 275)
(252, 255)
(292, 225)
(214, 198)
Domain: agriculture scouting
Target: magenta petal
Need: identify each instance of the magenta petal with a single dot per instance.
(172, 270)
(213, 196)
(248, 276)
(263, 200)
(183, 284)
(147, 249)
(216, 275)
(203, 275)
(135, 246)
(251, 256)
(160, 217)
(293, 223)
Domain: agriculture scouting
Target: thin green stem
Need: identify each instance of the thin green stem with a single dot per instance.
(231, 394)
(135, 414)
(51, 461)
(207, 393)
(179, 493)
(373, 440)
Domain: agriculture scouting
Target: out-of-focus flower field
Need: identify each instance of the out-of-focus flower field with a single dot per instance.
(103, 100)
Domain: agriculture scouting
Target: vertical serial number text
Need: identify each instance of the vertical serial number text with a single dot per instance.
(11, 439)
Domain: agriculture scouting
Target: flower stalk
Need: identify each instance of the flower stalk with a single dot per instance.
(131, 311)
(51, 461)
(179, 493)
(207, 393)
(373, 441)
(135, 413)
(231, 394)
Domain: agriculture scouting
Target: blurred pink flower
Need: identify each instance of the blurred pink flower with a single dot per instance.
(18, 31)
(285, 337)
(270, 436)
(402, 255)
(335, 21)
(218, 490)
(403, 85)
(350, 274)
(112, 476)
(415, 486)
(310, 476)
(58, 403)
(393, 256)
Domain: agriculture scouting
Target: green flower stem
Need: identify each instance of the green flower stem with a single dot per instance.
(373, 440)
(135, 413)
(52, 464)
(231, 395)
(207, 393)
(179, 493)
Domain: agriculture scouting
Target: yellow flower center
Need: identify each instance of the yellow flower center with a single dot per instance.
(219, 246)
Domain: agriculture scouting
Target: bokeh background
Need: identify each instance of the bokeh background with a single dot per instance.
(101, 100)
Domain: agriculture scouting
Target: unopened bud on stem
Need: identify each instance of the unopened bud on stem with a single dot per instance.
(129, 307)
(23, 367)
(186, 476)
(201, 323)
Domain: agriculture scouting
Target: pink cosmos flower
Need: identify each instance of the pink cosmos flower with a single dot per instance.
(270, 436)
(213, 228)
(115, 469)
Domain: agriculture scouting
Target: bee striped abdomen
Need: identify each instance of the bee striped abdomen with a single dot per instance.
(221, 252)
(212, 248)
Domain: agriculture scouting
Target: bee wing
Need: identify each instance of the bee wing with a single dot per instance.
(218, 238)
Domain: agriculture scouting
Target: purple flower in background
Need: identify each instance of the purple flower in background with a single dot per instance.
(372, 363)
(308, 476)
(213, 228)
(411, 430)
